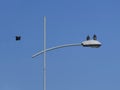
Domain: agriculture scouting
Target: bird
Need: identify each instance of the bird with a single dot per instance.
(18, 38)
(88, 37)
(94, 37)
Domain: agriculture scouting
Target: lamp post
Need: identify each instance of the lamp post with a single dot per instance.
(94, 43)
(44, 80)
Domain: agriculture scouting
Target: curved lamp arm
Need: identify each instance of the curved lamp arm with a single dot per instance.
(56, 47)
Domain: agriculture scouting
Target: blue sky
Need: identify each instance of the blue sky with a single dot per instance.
(68, 21)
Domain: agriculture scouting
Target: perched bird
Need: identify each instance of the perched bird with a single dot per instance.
(88, 37)
(94, 37)
(18, 38)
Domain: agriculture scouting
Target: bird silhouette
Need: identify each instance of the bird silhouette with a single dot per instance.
(18, 38)
(94, 37)
(88, 37)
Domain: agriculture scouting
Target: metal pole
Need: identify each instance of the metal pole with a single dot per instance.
(44, 69)
(56, 47)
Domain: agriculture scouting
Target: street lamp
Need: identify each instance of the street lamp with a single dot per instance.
(94, 43)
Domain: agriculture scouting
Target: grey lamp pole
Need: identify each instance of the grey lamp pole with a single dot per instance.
(88, 43)
(44, 69)
(56, 47)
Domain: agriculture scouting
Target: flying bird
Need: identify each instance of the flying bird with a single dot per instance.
(18, 38)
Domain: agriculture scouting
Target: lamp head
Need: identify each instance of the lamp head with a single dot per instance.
(94, 43)
(91, 43)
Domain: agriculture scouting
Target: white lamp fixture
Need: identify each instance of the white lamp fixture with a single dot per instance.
(94, 43)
